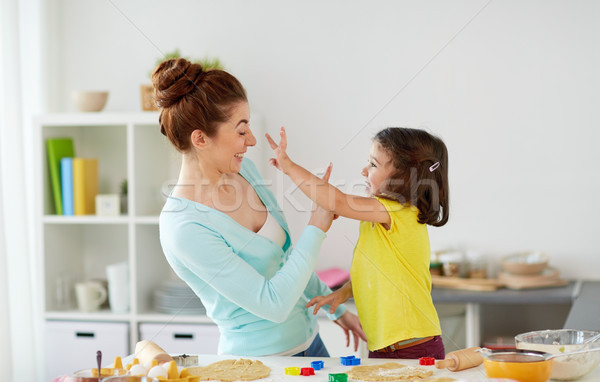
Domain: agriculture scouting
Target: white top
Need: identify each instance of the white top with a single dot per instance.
(272, 230)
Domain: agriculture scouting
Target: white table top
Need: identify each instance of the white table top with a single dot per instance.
(333, 365)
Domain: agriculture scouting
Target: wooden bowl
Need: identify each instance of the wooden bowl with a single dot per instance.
(525, 263)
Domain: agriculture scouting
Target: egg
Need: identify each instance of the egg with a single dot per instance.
(138, 370)
(158, 371)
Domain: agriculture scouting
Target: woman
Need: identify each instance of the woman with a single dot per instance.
(222, 230)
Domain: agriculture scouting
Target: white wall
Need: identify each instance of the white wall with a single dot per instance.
(511, 86)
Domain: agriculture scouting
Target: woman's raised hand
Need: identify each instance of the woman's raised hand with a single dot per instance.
(325, 177)
(281, 161)
(320, 217)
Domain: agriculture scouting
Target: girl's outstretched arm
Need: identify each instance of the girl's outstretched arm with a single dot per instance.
(334, 299)
(324, 194)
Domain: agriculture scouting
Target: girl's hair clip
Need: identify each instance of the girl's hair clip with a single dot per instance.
(434, 166)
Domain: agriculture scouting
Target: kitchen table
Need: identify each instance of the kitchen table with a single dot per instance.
(333, 365)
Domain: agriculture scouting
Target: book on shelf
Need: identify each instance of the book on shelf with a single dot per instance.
(66, 179)
(57, 148)
(85, 185)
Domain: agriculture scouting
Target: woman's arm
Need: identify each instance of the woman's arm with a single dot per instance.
(323, 193)
(201, 256)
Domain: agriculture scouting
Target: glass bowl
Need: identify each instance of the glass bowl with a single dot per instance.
(569, 367)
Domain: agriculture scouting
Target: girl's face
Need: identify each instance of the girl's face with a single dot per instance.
(378, 170)
(233, 139)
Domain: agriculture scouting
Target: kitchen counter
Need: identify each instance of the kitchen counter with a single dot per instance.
(332, 365)
(554, 295)
(473, 301)
(585, 313)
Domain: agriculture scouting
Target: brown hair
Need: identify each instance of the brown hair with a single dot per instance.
(421, 172)
(191, 98)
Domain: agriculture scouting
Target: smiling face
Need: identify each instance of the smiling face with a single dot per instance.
(378, 170)
(232, 139)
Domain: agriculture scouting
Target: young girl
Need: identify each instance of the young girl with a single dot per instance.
(407, 183)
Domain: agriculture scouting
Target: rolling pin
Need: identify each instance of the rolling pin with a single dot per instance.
(461, 359)
(146, 351)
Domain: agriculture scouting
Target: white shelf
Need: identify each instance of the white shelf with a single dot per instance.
(128, 146)
(75, 315)
(171, 318)
(146, 220)
(85, 219)
(93, 219)
(97, 119)
(108, 316)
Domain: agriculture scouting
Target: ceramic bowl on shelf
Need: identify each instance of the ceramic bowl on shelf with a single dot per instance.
(525, 263)
(569, 367)
(88, 100)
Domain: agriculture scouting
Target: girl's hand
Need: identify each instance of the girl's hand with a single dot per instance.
(333, 299)
(281, 161)
(349, 323)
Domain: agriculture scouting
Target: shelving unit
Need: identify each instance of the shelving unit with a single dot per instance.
(128, 146)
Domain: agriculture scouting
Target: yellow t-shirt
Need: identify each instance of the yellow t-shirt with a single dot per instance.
(390, 277)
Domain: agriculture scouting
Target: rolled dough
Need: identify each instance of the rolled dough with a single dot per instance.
(231, 370)
(390, 371)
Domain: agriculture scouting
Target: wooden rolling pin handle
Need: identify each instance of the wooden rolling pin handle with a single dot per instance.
(461, 359)
(147, 351)
(445, 363)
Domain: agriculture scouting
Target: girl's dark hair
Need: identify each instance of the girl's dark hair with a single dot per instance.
(417, 179)
(191, 98)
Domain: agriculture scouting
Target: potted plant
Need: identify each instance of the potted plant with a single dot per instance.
(147, 90)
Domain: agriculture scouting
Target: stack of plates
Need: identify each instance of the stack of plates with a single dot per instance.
(176, 297)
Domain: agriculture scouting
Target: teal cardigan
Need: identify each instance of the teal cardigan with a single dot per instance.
(253, 289)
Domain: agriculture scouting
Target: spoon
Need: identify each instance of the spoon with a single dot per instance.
(591, 339)
(99, 361)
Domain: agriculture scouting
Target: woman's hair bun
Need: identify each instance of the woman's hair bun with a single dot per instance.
(174, 79)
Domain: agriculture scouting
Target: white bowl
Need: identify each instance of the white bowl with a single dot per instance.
(87, 100)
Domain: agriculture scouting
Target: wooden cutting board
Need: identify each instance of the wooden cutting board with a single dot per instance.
(548, 278)
(484, 285)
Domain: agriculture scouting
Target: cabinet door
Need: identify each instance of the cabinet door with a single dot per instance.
(182, 338)
(72, 346)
